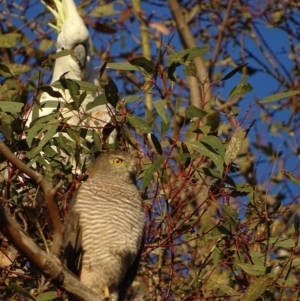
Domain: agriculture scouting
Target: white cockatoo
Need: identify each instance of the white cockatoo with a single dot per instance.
(74, 36)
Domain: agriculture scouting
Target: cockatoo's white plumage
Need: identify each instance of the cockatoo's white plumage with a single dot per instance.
(73, 35)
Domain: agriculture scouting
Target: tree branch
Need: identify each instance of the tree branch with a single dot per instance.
(49, 192)
(49, 265)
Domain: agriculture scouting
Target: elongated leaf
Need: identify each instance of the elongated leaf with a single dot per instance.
(9, 40)
(210, 152)
(251, 269)
(14, 69)
(279, 96)
(50, 91)
(160, 108)
(235, 144)
(230, 214)
(62, 53)
(139, 124)
(51, 131)
(291, 177)
(282, 242)
(210, 172)
(151, 170)
(11, 107)
(187, 54)
(192, 111)
(19, 289)
(256, 289)
(233, 72)
(48, 296)
(132, 98)
(111, 92)
(99, 100)
(83, 85)
(240, 90)
(126, 66)
(146, 64)
(154, 142)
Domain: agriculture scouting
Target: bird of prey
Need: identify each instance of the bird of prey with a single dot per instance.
(104, 227)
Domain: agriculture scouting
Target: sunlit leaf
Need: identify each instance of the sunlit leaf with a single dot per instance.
(212, 148)
(192, 111)
(256, 288)
(251, 269)
(279, 96)
(235, 144)
(62, 53)
(146, 64)
(187, 54)
(160, 108)
(139, 124)
(126, 66)
(291, 177)
(11, 107)
(151, 170)
(9, 40)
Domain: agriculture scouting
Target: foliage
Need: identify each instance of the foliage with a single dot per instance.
(218, 172)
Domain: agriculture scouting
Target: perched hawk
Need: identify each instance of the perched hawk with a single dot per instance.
(104, 227)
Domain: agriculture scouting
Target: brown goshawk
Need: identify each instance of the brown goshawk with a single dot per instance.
(104, 227)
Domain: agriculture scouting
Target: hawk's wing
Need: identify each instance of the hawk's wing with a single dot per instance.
(131, 273)
(72, 240)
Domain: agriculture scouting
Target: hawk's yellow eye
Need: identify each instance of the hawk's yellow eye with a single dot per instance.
(117, 161)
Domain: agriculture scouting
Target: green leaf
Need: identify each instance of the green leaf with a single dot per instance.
(4, 68)
(132, 98)
(111, 92)
(48, 296)
(251, 269)
(126, 66)
(209, 150)
(230, 214)
(233, 72)
(14, 69)
(210, 172)
(139, 124)
(240, 90)
(62, 53)
(282, 242)
(146, 64)
(187, 55)
(151, 170)
(9, 40)
(50, 91)
(291, 177)
(82, 85)
(235, 144)
(51, 131)
(11, 107)
(279, 96)
(256, 288)
(192, 111)
(160, 108)
(99, 100)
